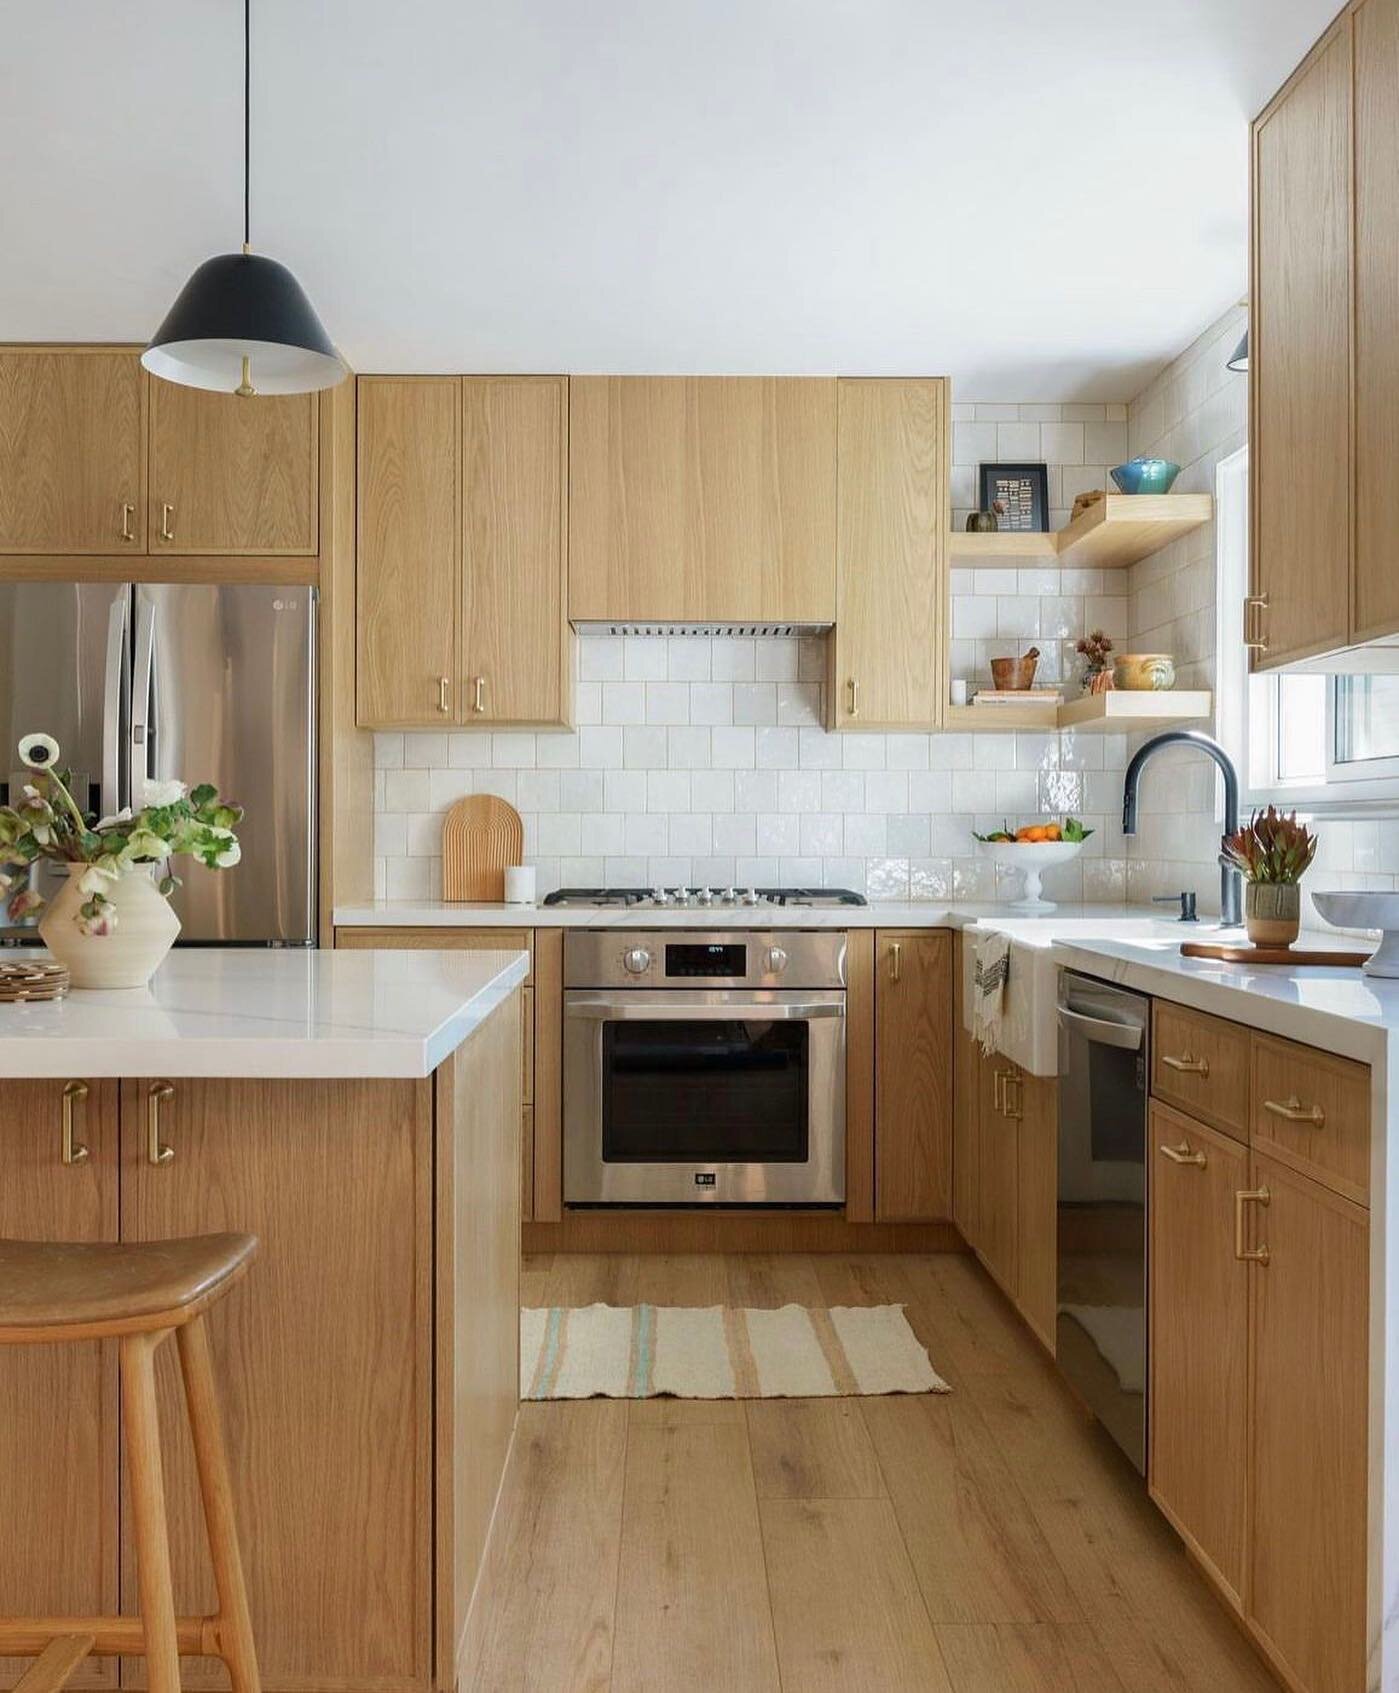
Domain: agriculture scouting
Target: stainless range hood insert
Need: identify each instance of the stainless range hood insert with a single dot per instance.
(748, 629)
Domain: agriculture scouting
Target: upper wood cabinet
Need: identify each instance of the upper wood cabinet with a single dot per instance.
(461, 560)
(58, 1404)
(891, 572)
(1324, 350)
(913, 1074)
(72, 450)
(232, 475)
(702, 499)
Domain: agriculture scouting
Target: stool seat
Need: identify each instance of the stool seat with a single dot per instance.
(58, 1284)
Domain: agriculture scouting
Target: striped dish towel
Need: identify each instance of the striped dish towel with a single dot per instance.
(721, 1352)
(988, 990)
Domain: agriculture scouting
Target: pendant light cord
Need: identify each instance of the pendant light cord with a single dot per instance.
(247, 121)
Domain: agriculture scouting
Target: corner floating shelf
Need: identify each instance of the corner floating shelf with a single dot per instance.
(1116, 532)
(1118, 712)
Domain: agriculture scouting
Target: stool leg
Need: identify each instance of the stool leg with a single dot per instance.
(148, 1510)
(216, 1490)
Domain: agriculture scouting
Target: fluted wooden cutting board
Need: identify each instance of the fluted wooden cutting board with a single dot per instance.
(481, 836)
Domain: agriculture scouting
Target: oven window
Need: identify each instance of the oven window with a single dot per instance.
(706, 1092)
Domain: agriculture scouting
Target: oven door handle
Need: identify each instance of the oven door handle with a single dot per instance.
(1102, 1031)
(616, 1011)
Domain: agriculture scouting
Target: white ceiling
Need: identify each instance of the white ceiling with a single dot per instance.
(1047, 201)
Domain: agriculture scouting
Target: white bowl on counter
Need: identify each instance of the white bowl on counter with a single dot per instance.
(1367, 909)
(1032, 858)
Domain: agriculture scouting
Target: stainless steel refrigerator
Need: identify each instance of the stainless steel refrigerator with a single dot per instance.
(204, 682)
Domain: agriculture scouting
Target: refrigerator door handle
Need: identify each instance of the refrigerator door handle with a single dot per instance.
(141, 726)
(111, 799)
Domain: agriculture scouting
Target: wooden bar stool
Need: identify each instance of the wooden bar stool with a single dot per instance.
(139, 1294)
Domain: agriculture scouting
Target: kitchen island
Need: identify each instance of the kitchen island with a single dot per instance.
(360, 1113)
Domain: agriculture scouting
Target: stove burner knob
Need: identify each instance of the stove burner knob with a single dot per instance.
(775, 960)
(751, 897)
(706, 896)
(659, 896)
(729, 896)
(636, 960)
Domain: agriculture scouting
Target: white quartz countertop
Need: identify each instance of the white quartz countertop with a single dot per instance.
(267, 1012)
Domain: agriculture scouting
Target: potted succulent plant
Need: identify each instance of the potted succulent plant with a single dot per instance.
(1274, 851)
(111, 924)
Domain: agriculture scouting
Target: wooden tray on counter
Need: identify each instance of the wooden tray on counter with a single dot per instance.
(1270, 955)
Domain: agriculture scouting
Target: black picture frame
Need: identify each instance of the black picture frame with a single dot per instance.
(1025, 490)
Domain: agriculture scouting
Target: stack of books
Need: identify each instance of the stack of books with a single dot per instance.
(1018, 696)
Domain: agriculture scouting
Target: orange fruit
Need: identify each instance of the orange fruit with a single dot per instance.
(1052, 832)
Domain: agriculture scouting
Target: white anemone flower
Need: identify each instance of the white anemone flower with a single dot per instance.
(96, 879)
(164, 793)
(228, 856)
(38, 752)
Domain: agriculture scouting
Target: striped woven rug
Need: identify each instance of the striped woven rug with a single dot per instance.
(720, 1352)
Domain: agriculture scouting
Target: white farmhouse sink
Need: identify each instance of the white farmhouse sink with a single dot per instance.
(1029, 1015)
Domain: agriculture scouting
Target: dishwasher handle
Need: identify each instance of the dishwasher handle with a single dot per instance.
(1127, 1036)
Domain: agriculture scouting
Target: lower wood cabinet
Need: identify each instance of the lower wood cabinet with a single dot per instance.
(966, 1112)
(1198, 1328)
(998, 1174)
(913, 1074)
(58, 1404)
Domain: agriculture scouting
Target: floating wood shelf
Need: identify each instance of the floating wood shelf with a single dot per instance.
(1116, 532)
(1118, 712)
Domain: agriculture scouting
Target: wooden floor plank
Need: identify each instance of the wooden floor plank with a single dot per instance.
(543, 1616)
(845, 1604)
(812, 1449)
(1040, 1658)
(772, 1278)
(873, 1278)
(599, 1278)
(534, 1277)
(977, 1550)
(692, 1606)
(680, 1278)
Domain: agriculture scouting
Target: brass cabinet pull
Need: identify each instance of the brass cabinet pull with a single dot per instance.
(1248, 1196)
(998, 1092)
(895, 961)
(156, 1153)
(128, 511)
(74, 1094)
(478, 702)
(167, 511)
(854, 688)
(1183, 1155)
(1254, 638)
(1292, 1110)
(1191, 1065)
(444, 694)
(1012, 1105)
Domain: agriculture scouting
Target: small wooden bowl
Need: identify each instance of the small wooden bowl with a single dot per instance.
(1014, 674)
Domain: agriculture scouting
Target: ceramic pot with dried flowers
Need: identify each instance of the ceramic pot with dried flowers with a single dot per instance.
(1274, 852)
(1096, 652)
(110, 923)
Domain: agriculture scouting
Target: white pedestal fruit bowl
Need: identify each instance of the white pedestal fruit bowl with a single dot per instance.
(1033, 858)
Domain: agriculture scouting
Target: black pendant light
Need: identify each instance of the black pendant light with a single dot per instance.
(1239, 360)
(242, 324)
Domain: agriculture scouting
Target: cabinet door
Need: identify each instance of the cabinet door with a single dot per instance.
(512, 635)
(72, 450)
(998, 1170)
(1376, 601)
(702, 497)
(1035, 1101)
(324, 1360)
(1198, 1331)
(1308, 1470)
(1300, 353)
(58, 1404)
(408, 541)
(913, 1074)
(891, 561)
(231, 475)
(966, 1112)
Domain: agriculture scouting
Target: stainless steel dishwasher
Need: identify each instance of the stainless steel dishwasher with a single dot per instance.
(1101, 1328)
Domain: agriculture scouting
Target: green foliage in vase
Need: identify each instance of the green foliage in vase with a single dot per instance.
(46, 822)
(1271, 847)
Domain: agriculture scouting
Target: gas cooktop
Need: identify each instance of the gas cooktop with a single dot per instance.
(700, 899)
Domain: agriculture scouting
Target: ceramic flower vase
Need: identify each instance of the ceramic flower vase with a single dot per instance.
(144, 931)
(1273, 912)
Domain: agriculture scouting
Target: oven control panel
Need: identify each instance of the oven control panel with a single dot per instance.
(712, 959)
(721, 961)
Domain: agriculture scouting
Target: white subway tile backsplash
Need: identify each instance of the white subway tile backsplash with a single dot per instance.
(776, 748)
(622, 702)
(667, 702)
(644, 749)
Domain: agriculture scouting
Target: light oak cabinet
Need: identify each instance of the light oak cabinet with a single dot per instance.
(1324, 354)
(462, 526)
(1259, 1273)
(913, 1074)
(998, 1174)
(702, 498)
(58, 1404)
(72, 450)
(231, 475)
(966, 1111)
(886, 653)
